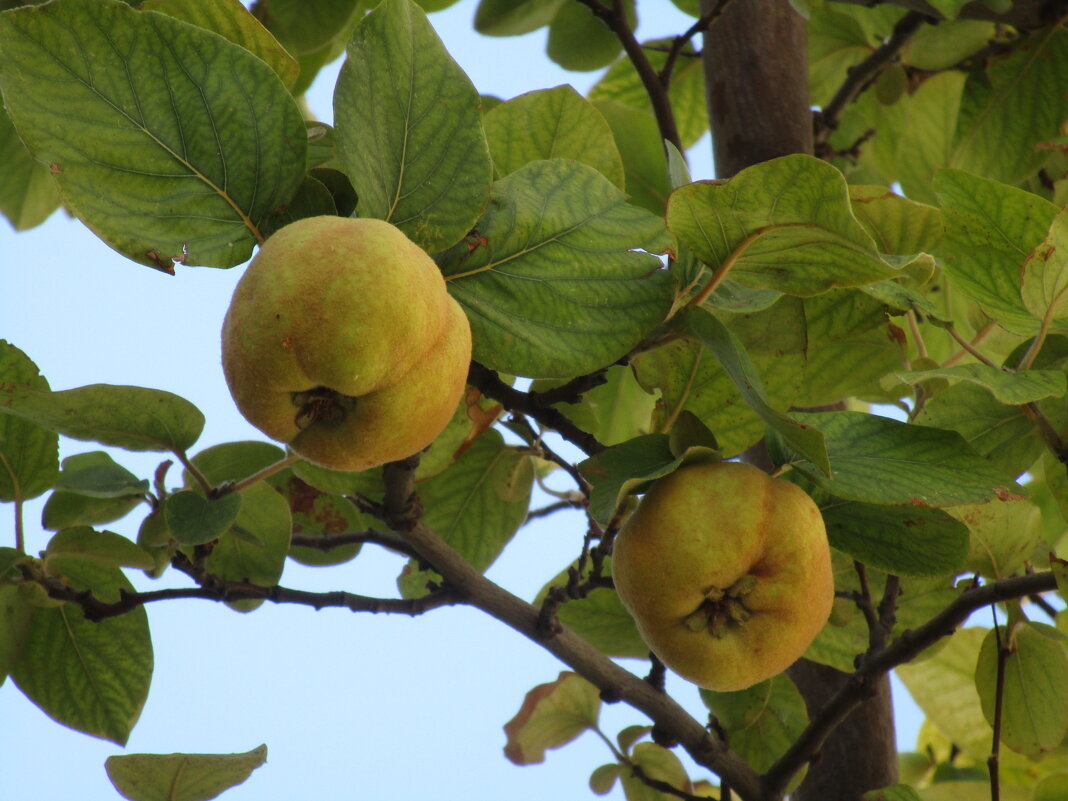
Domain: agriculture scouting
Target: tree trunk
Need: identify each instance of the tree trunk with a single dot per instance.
(756, 73)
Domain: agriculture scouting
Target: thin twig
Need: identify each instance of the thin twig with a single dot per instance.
(904, 648)
(213, 588)
(999, 693)
(860, 76)
(491, 385)
(679, 43)
(616, 19)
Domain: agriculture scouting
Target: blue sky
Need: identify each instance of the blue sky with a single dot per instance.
(350, 706)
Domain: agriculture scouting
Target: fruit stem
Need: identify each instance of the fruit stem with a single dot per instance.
(270, 470)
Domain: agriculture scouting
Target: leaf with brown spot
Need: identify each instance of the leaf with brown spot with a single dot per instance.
(552, 715)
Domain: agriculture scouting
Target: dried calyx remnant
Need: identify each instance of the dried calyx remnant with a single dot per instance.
(321, 405)
(722, 608)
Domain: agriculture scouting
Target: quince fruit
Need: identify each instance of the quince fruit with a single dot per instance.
(727, 573)
(342, 341)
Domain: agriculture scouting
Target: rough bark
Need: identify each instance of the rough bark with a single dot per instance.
(755, 65)
(756, 79)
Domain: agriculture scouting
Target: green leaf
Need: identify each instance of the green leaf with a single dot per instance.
(340, 482)
(617, 410)
(65, 509)
(104, 548)
(691, 380)
(476, 505)
(16, 617)
(725, 346)
(622, 84)
(97, 475)
(234, 461)
(1045, 274)
(625, 468)
(255, 548)
(305, 30)
(603, 778)
(760, 722)
(552, 278)
(659, 764)
(848, 347)
(181, 777)
(29, 455)
(551, 124)
(1002, 535)
(92, 677)
(897, 225)
(943, 685)
(938, 47)
(514, 17)
(231, 20)
(409, 130)
(836, 42)
(784, 224)
(1035, 692)
(27, 192)
(898, 792)
(133, 418)
(193, 519)
(580, 41)
(903, 540)
(1002, 434)
(169, 119)
(1014, 104)
(1013, 389)
(1051, 788)
(991, 228)
(927, 132)
(878, 460)
(552, 715)
(319, 514)
(645, 167)
(600, 617)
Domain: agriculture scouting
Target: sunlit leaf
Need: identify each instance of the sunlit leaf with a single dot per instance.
(784, 224)
(476, 505)
(232, 20)
(552, 715)
(193, 139)
(551, 124)
(990, 230)
(181, 777)
(409, 130)
(1034, 704)
(552, 278)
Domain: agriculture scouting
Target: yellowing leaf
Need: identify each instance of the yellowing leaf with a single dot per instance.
(552, 715)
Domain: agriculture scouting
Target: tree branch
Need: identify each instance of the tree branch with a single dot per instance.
(533, 405)
(1022, 14)
(859, 77)
(907, 646)
(213, 588)
(613, 681)
(678, 44)
(616, 19)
